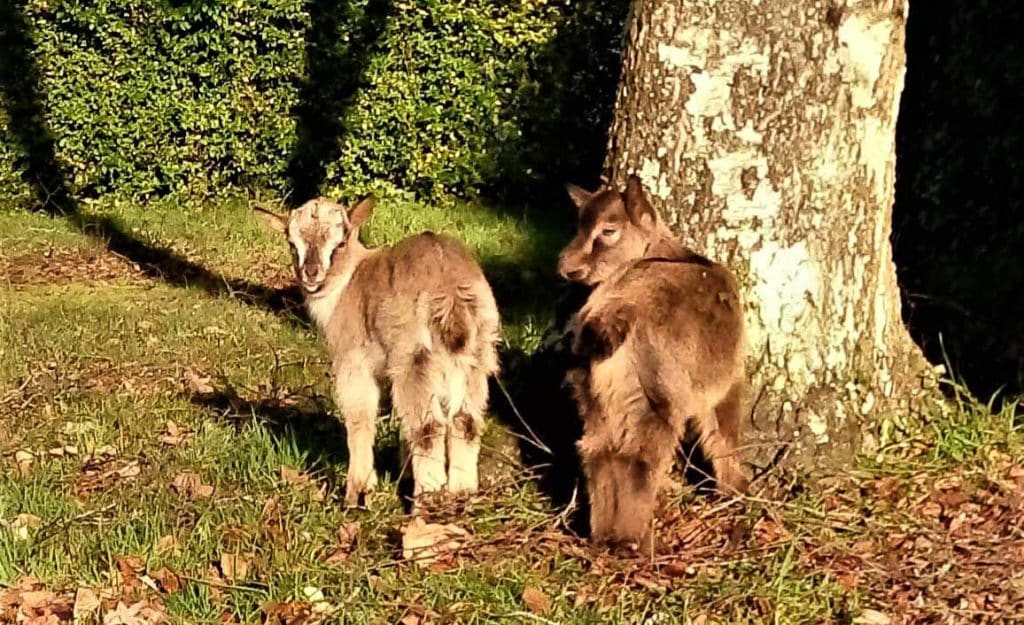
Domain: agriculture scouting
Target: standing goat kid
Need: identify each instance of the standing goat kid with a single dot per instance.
(418, 317)
(661, 348)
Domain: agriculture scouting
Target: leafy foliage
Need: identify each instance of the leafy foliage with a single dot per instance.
(151, 98)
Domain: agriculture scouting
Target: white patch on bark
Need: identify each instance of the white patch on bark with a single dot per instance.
(710, 61)
(749, 134)
(655, 180)
(876, 148)
(784, 281)
(678, 56)
(865, 40)
(743, 219)
(818, 427)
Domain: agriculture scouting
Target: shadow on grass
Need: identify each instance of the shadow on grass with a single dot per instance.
(20, 88)
(300, 422)
(958, 227)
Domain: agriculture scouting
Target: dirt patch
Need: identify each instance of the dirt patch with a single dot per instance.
(95, 264)
(61, 266)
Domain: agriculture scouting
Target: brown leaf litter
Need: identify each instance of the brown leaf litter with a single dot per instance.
(301, 481)
(103, 469)
(536, 600)
(64, 265)
(27, 602)
(428, 543)
(348, 536)
(189, 486)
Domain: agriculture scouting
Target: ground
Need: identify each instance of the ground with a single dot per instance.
(169, 452)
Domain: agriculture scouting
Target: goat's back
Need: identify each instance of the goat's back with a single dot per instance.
(427, 291)
(664, 328)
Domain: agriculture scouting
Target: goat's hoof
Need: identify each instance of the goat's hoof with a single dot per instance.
(355, 491)
(428, 502)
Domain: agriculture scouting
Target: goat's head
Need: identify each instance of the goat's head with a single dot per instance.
(613, 229)
(320, 233)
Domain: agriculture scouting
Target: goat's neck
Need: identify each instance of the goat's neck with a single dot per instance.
(664, 244)
(322, 306)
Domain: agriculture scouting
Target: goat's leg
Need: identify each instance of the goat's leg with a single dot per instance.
(357, 395)
(423, 424)
(464, 436)
(720, 441)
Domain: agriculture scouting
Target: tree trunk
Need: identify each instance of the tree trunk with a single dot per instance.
(765, 133)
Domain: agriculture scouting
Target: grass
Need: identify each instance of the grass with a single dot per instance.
(112, 388)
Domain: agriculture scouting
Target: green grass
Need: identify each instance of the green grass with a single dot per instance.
(104, 365)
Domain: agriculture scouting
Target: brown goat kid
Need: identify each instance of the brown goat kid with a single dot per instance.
(661, 347)
(418, 317)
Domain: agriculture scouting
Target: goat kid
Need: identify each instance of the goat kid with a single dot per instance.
(660, 343)
(418, 317)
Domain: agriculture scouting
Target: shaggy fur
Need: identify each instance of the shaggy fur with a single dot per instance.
(419, 318)
(662, 341)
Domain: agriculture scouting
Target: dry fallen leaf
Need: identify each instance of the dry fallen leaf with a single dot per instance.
(287, 613)
(173, 435)
(35, 599)
(166, 543)
(676, 569)
(535, 599)
(65, 450)
(139, 613)
(216, 582)
(423, 542)
(101, 471)
(199, 385)
(872, 617)
(167, 580)
(348, 535)
(130, 567)
(25, 520)
(274, 522)
(132, 469)
(23, 459)
(20, 525)
(86, 602)
(108, 451)
(190, 486)
(301, 481)
(234, 566)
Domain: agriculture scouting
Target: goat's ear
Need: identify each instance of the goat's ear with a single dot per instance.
(360, 213)
(273, 221)
(638, 208)
(579, 195)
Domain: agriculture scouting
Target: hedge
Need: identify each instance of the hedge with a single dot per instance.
(154, 98)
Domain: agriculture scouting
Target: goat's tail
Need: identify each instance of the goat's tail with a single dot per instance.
(452, 318)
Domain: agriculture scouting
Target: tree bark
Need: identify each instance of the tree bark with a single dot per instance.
(765, 133)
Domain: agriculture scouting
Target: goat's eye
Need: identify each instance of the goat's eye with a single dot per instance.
(609, 236)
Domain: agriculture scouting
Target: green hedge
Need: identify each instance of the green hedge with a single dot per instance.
(153, 98)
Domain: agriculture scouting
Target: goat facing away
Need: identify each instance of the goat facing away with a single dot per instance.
(418, 317)
(660, 350)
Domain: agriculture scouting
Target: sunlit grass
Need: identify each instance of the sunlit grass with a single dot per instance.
(106, 365)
